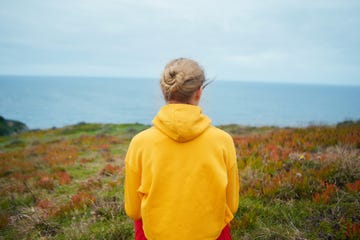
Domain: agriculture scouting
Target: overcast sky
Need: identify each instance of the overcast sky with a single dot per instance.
(306, 41)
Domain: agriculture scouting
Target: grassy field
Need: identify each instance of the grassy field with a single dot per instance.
(67, 183)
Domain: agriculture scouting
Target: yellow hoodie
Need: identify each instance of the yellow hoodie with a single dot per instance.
(181, 176)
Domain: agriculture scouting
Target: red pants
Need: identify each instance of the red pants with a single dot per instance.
(139, 232)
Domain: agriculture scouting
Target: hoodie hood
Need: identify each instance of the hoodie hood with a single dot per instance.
(181, 122)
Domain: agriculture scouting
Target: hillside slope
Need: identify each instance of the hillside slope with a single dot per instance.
(67, 183)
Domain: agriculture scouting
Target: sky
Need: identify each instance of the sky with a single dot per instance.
(307, 41)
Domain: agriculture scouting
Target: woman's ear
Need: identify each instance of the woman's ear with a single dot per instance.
(199, 92)
(197, 96)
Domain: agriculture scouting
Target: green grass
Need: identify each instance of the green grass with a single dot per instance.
(296, 183)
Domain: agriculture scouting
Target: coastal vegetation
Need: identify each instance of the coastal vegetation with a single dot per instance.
(8, 127)
(67, 183)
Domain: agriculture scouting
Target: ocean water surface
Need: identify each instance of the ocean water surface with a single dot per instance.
(45, 102)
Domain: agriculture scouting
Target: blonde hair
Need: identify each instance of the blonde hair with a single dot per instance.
(180, 79)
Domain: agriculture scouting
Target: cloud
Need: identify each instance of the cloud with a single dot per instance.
(277, 39)
(260, 59)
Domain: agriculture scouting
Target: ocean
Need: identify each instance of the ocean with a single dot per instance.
(46, 102)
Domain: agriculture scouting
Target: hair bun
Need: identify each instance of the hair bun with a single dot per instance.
(173, 79)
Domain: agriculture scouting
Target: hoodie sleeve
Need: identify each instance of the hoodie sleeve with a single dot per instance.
(132, 184)
(232, 191)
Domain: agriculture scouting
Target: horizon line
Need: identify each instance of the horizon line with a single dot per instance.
(215, 79)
